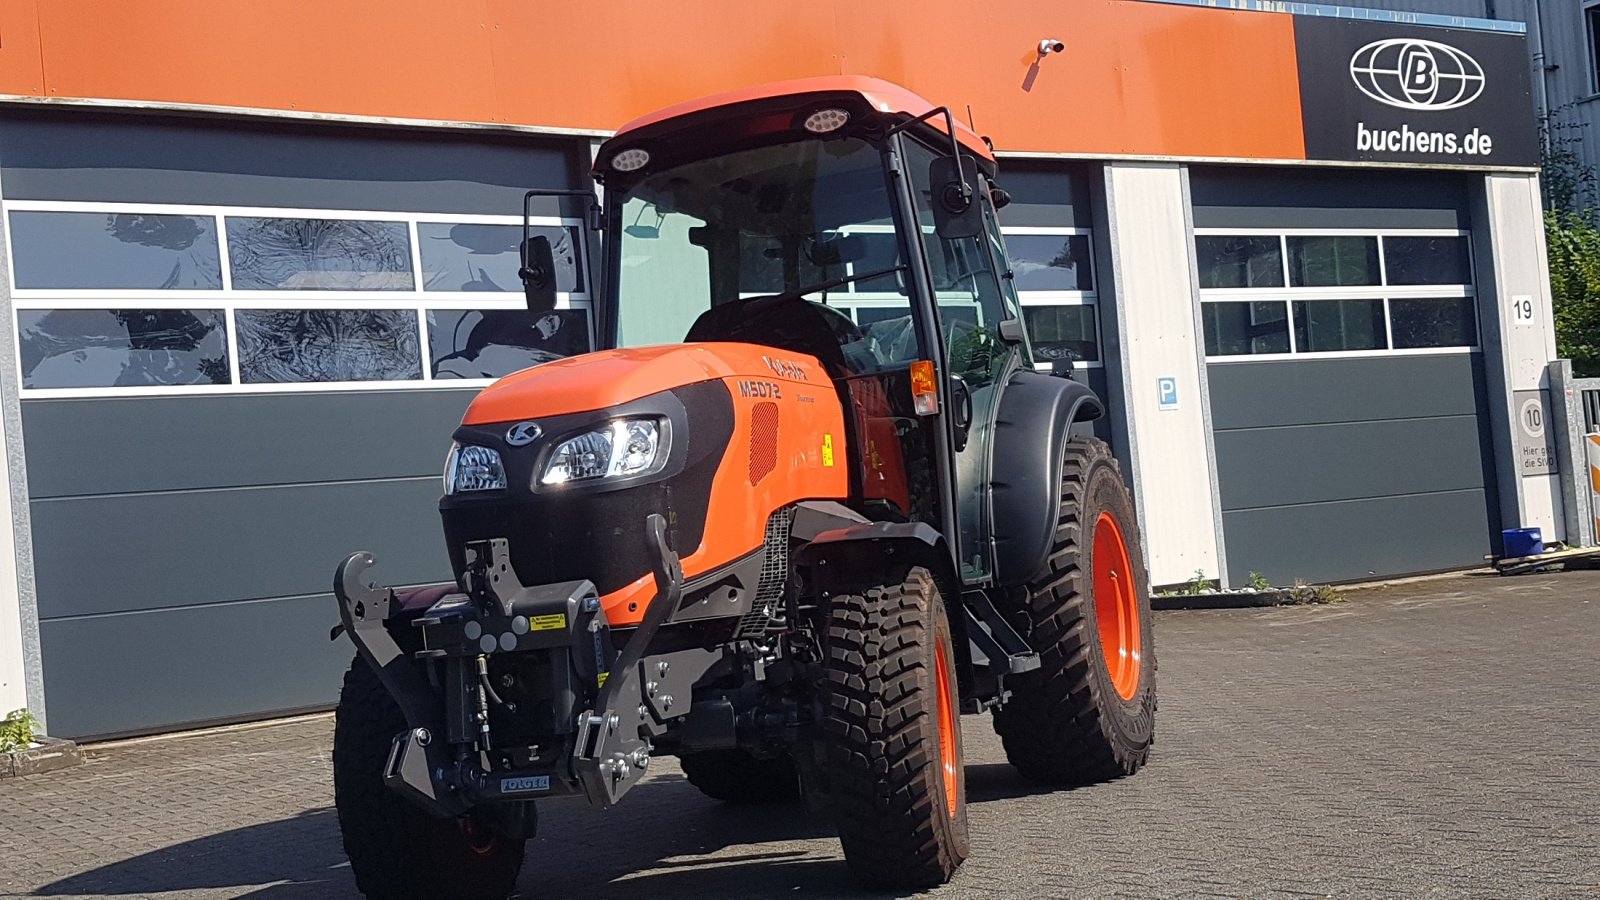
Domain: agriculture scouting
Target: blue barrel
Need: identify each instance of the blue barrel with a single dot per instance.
(1520, 542)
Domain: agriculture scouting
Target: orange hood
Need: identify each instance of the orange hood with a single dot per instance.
(611, 377)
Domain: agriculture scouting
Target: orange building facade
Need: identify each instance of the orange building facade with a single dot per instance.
(258, 260)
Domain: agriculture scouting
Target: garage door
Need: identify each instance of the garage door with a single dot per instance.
(1347, 389)
(242, 351)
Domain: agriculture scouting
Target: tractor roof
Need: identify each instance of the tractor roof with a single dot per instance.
(764, 105)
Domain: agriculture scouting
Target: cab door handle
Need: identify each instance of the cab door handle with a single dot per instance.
(960, 410)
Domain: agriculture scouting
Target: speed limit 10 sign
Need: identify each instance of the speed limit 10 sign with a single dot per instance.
(1536, 454)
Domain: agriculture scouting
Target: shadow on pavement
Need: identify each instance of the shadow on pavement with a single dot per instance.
(988, 782)
(665, 840)
(294, 858)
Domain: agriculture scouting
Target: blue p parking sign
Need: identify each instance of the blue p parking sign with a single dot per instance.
(1167, 392)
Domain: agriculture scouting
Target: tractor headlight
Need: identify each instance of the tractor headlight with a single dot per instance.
(473, 468)
(622, 447)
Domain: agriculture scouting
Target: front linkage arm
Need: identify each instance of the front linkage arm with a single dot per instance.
(641, 693)
(363, 609)
(638, 694)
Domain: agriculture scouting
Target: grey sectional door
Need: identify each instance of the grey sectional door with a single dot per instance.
(1346, 469)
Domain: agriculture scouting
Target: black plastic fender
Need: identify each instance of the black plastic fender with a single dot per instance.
(842, 550)
(1031, 429)
(846, 554)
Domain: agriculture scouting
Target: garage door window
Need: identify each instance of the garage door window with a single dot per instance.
(125, 250)
(1053, 272)
(1341, 292)
(142, 298)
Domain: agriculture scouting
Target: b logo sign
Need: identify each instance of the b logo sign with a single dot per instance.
(1417, 74)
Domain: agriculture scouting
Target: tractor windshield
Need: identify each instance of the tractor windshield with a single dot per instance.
(811, 220)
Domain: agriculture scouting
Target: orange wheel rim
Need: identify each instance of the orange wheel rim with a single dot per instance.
(1116, 607)
(947, 732)
(480, 840)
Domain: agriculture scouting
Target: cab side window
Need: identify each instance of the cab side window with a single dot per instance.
(966, 286)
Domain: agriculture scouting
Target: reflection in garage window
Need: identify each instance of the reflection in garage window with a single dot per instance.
(467, 257)
(1050, 262)
(76, 348)
(318, 254)
(1239, 261)
(1233, 329)
(492, 343)
(1324, 326)
(1332, 261)
(1426, 260)
(122, 250)
(287, 345)
(1433, 322)
(1062, 332)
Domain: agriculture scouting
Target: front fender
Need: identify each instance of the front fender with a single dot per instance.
(1031, 429)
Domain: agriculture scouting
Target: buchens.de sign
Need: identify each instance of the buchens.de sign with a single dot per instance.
(1376, 91)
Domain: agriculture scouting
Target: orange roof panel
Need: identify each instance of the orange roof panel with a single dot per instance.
(881, 95)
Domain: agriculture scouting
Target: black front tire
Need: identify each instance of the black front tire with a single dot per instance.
(1066, 723)
(736, 776)
(893, 773)
(396, 849)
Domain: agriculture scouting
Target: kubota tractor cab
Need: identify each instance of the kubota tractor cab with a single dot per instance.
(808, 503)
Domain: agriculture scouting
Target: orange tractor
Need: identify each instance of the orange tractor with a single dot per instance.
(808, 505)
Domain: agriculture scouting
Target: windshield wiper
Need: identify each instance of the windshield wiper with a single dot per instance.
(837, 282)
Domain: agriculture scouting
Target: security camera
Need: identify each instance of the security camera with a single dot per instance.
(1049, 46)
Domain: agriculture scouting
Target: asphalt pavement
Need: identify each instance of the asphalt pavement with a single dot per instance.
(1434, 739)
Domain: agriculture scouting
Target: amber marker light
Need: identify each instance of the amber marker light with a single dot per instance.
(924, 388)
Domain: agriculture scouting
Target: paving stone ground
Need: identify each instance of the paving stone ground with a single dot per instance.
(1435, 739)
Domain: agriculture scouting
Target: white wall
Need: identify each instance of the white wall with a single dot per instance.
(13, 684)
(1153, 313)
(1518, 344)
(13, 660)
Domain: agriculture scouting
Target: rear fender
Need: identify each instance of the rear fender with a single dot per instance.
(1031, 430)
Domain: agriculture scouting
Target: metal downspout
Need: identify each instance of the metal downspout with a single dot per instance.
(1541, 96)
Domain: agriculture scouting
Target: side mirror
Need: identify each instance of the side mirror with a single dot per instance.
(538, 273)
(957, 213)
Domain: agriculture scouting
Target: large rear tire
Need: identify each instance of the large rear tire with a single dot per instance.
(735, 776)
(396, 849)
(1087, 714)
(892, 737)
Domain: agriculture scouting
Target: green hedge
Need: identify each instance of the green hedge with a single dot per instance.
(1575, 287)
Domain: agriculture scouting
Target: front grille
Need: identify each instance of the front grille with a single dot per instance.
(767, 611)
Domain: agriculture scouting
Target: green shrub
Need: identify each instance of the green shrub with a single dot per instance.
(1574, 246)
(17, 730)
(1303, 594)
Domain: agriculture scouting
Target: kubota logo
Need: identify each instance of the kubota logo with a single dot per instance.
(523, 433)
(1415, 74)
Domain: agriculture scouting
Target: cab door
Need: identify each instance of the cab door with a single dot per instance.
(970, 305)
